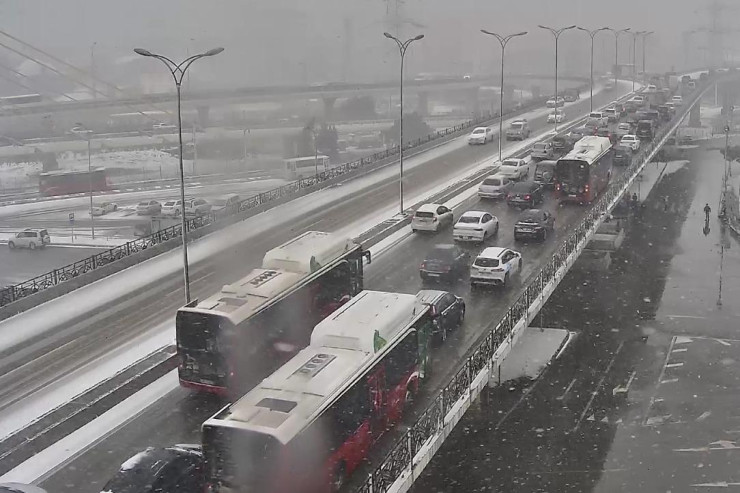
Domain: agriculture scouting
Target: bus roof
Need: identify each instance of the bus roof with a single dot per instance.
(589, 148)
(289, 399)
(365, 321)
(283, 268)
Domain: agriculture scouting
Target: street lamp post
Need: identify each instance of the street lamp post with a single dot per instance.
(86, 134)
(634, 59)
(178, 73)
(592, 35)
(645, 35)
(556, 33)
(616, 49)
(402, 47)
(503, 40)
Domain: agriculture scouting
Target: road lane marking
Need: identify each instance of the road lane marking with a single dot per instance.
(674, 365)
(681, 340)
(567, 389)
(724, 343)
(680, 350)
(619, 389)
(598, 387)
(704, 415)
(670, 380)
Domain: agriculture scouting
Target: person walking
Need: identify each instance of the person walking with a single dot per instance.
(707, 210)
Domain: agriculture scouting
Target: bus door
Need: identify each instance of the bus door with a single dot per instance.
(378, 402)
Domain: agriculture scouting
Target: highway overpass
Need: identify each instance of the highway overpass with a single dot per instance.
(491, 327)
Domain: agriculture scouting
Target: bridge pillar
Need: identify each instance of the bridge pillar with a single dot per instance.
(422, 105)
(329, 108)
(472, 100)
(695, 116)
(536, 91)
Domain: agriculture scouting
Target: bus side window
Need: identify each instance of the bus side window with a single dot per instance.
(401, 360)
(350, 411)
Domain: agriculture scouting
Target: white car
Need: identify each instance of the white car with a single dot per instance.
(475, 226)
(598, 118)
(30, 238)
(172, 208)
(623, 129)
(639, 100)
(104, 208)
(514, 169)
(651, 88)
(556, 117)
(551, 103)
(495, 265)
(481, 135)
(431, 217)
(632, 141)
(677, 100)
(197, 207)
(495, 187)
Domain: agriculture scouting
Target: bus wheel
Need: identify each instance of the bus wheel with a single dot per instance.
(339, 477)
(409, 396)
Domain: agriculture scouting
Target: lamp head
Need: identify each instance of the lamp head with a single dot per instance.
(142, 52)
(213, 51)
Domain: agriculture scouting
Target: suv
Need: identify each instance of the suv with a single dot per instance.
(30, 238)
(431, 217)
(542, 150)
(598, 118)
(176, 469)
(645, 130)
(444, 262)
(148, 207)
(534, 223)
(197, 207)
(518, 130)
(544, 173)
(495, 265)
(225, 204)
(622, 155)
(612, 114)
(525, 194)
(495, 187)
(448, 311)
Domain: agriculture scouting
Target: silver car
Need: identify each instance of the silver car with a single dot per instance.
(148, 208)
(197, 207)
(495, 187)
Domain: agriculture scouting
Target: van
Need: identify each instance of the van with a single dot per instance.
(599, 118)
(544, 173)
(495, 187)
(30, 238)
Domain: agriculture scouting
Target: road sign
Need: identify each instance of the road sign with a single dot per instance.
(72, 217)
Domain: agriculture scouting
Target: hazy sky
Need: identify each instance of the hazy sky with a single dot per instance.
(286, 41)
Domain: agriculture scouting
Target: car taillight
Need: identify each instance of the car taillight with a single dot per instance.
(423, 265)
(557, 187)
(527, 197)
(586, 187)
(434, 219)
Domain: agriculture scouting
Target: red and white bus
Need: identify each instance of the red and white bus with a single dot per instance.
(585, 171)
(62, 182)
(238, 336)
(307, 426)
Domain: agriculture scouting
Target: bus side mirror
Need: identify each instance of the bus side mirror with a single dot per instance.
(368, 256)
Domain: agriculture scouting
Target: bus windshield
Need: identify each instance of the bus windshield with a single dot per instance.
(199, 337)
(240, 458)
(572, 172)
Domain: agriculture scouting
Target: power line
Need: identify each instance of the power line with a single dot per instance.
(19, 74)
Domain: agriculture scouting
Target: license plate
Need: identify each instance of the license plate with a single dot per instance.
(432, 274)
(526, 230)
(571, 195)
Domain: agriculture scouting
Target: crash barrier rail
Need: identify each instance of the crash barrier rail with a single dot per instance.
(14, 292)
(400, 459)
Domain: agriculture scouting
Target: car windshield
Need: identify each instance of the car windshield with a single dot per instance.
(144, 204)
(440, 254)
(424, 214)
(479, 131)
(510, 164)
(539, 146)
(516, 125)
(170, 203)
(531, 216)
(218, 202)
(492, 181)
(486, 262)
(469, 220)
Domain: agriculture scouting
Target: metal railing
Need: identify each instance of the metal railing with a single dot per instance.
(12, 293)
(432, 420)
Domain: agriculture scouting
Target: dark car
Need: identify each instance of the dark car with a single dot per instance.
(562, 144)
(630, 106)
(622, 155)
(665, 112)
(20, 488)
(448, 311)
(176, 469)
(619, 107)
(445, 262)
(544, 173)
(534, 224)
(605, 132)
(525, 194)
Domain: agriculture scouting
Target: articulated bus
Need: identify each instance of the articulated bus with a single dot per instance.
(308, 426)
(229, 342)
(585, 171)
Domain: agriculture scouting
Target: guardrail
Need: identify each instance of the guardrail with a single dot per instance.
(12, 293)
(432, 421)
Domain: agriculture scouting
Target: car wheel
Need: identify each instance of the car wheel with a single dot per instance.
(506, 280)
(413, 230)
(11, 245)
(115, 208)
(461, 318)
(520, 265)
(544, 234)
(495, 231)
(32, 246)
